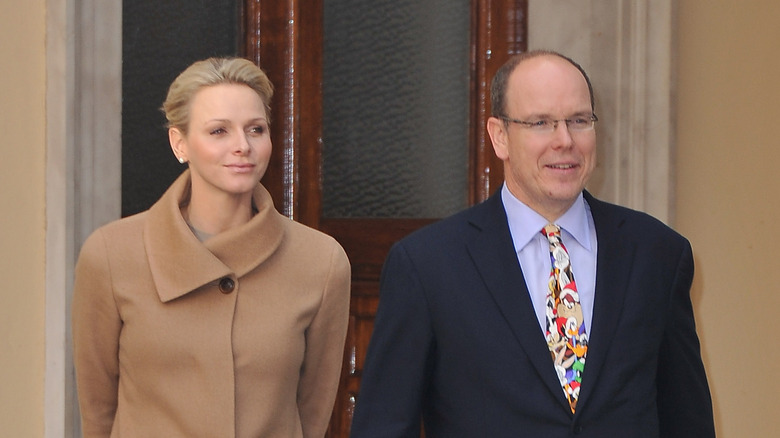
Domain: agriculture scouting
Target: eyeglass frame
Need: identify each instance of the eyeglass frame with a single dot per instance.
(593, 119)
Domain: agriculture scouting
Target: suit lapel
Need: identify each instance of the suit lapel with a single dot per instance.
(493, 254)
(613, 271)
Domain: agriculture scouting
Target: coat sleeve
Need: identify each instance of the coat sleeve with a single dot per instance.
(684, 402)
(397, 366)
(96, 325)
(325, 338)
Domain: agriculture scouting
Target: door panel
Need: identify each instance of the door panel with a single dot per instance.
(287, 40)
(367, 242)
(154, 52)
(395, 108)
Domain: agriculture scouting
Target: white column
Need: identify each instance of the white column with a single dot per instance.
(626, 46)
(83, 171)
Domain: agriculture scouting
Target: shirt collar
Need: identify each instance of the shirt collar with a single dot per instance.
(525, 223)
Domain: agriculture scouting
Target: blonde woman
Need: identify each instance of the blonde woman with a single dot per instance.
(210, 314)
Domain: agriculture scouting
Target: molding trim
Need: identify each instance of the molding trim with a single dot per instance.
(627, 49)
(83, 172)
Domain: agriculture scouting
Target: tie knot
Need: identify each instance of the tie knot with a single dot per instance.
(551, 232)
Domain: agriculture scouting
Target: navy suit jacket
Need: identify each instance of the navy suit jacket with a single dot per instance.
(456, 343)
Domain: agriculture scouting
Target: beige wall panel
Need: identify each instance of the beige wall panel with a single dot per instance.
(22, 230)
(727, 199)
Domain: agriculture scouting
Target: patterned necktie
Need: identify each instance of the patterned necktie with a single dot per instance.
(565, 332)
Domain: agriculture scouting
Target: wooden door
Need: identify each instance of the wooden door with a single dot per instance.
(286, 39)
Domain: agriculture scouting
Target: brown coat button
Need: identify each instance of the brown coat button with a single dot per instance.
(226, 285)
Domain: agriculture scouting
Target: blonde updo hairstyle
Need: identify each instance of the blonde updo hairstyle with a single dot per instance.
(210, 72)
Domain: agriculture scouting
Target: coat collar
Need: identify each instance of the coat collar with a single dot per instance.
(180, 263)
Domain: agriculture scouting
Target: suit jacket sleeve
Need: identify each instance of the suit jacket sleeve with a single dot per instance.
(684, 403)
(397, 364)
(325, 348)
(96, 325)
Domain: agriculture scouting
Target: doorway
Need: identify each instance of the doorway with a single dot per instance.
(379, 126)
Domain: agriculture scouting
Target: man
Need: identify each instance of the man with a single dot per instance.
(491, 324)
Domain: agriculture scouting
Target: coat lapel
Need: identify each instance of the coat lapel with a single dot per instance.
(613, 271)
(494, 256)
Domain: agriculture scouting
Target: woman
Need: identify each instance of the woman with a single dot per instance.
(210, 314)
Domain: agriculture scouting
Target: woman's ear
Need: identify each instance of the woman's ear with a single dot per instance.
(178, 144)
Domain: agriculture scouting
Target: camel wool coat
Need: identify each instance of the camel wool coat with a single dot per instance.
(239, 336)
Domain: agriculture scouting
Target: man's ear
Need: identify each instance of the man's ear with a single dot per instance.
(496, 128)
(178, 144)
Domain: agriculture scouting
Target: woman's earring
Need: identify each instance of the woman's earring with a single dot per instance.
(181, 160)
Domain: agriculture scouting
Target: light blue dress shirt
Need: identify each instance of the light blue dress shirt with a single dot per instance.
(578, 234)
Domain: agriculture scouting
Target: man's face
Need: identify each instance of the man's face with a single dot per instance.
(545, 170)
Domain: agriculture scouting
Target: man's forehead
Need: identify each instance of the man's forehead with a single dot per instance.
(548, 79)
(545, 68)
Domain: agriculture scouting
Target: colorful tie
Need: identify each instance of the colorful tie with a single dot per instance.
(565, 326)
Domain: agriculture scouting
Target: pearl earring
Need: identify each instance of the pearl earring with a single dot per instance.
(181, 160)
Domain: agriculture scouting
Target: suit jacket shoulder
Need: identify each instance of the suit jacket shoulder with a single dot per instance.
(609, 216)
(459, 228)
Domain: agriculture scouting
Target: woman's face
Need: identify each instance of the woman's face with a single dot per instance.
(228, 144)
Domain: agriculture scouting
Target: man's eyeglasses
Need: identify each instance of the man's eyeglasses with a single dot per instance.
(548, 126)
